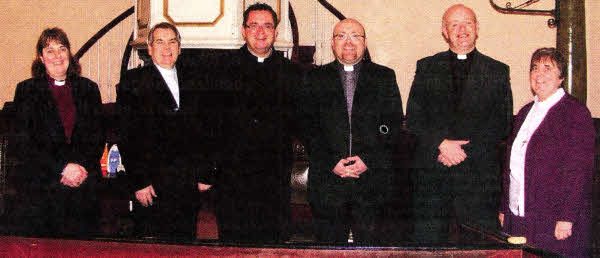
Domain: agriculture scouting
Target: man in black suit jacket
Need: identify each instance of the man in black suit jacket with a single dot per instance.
(353, 114)
(460, 108)
(161, 141)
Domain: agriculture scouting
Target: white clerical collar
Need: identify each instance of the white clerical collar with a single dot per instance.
(349, 68)
(165, 70)
(262, 59)
(59, 83)
(550, 101)
(461, 57)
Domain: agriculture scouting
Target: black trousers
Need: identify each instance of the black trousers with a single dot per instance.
(173, 215)
(253, 205)
(247, 218)
(333, 222)
(462, 194)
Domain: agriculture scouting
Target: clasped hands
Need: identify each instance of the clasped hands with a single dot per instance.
(145, 195)
(451, 152)
(350, 167)
(73, 175)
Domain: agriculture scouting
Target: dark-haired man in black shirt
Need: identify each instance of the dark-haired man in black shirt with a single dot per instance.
(251, 94)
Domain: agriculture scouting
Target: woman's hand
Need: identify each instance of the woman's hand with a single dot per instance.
(73, 175)
(563, 230)
(501, 219)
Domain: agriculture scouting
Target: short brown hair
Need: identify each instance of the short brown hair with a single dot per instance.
(38, 69)
(163, 25)
(553, 55)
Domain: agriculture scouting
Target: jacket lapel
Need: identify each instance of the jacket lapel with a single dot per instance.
(338, 111)
(184, 86)
(336, 89)
(366, 90)
(164, 95)
(79, 104)
(54, 123)
(475, 81)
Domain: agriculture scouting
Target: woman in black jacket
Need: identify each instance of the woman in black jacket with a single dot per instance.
(59, 143)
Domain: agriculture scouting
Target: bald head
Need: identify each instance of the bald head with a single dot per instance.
(458, 7)
(349, 41)
(460, 28)
(349, 22)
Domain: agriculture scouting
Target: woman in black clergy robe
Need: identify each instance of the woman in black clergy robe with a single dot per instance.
(59, 143)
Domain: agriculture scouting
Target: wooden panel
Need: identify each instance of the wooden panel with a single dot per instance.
(35, 247)
(193, 13)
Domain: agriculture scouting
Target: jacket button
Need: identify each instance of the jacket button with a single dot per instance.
(384, 129)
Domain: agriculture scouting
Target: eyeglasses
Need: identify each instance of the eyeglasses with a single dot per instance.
(265, 27)
(353, 37)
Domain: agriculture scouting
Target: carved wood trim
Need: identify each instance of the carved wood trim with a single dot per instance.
(196, 24)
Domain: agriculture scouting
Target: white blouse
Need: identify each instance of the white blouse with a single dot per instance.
(519, 149)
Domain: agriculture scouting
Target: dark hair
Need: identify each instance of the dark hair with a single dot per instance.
(260, 7)
(38, 69)
(554, 56)
(163, 25)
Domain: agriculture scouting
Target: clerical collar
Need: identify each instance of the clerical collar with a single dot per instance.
(262, 59)
(462, 56)
(56, 83)
(350, 68)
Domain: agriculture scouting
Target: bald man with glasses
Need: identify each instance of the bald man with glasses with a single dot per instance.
(352, 112)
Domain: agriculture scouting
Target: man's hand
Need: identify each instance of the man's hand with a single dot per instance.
(358, 167)
(73, 175)
(563, 230)
(501, 219)
(144, 196)
(342, 170)
(451, 152)
(203, 187)
(350, 167)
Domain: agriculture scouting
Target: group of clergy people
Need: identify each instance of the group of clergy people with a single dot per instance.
(184, 133)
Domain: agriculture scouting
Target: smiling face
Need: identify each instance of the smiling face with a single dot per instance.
(164, 48)
(544, 78)
(460, 28)
(259, 32)
(348, 42)
(55, 57)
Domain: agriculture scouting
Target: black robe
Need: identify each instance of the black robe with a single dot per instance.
(481, 114)
(254, 123)
(51, 208)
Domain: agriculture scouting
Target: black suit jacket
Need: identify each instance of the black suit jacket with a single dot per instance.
(376, 106)
(159, 142)
(41, 142)
(483, 115)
